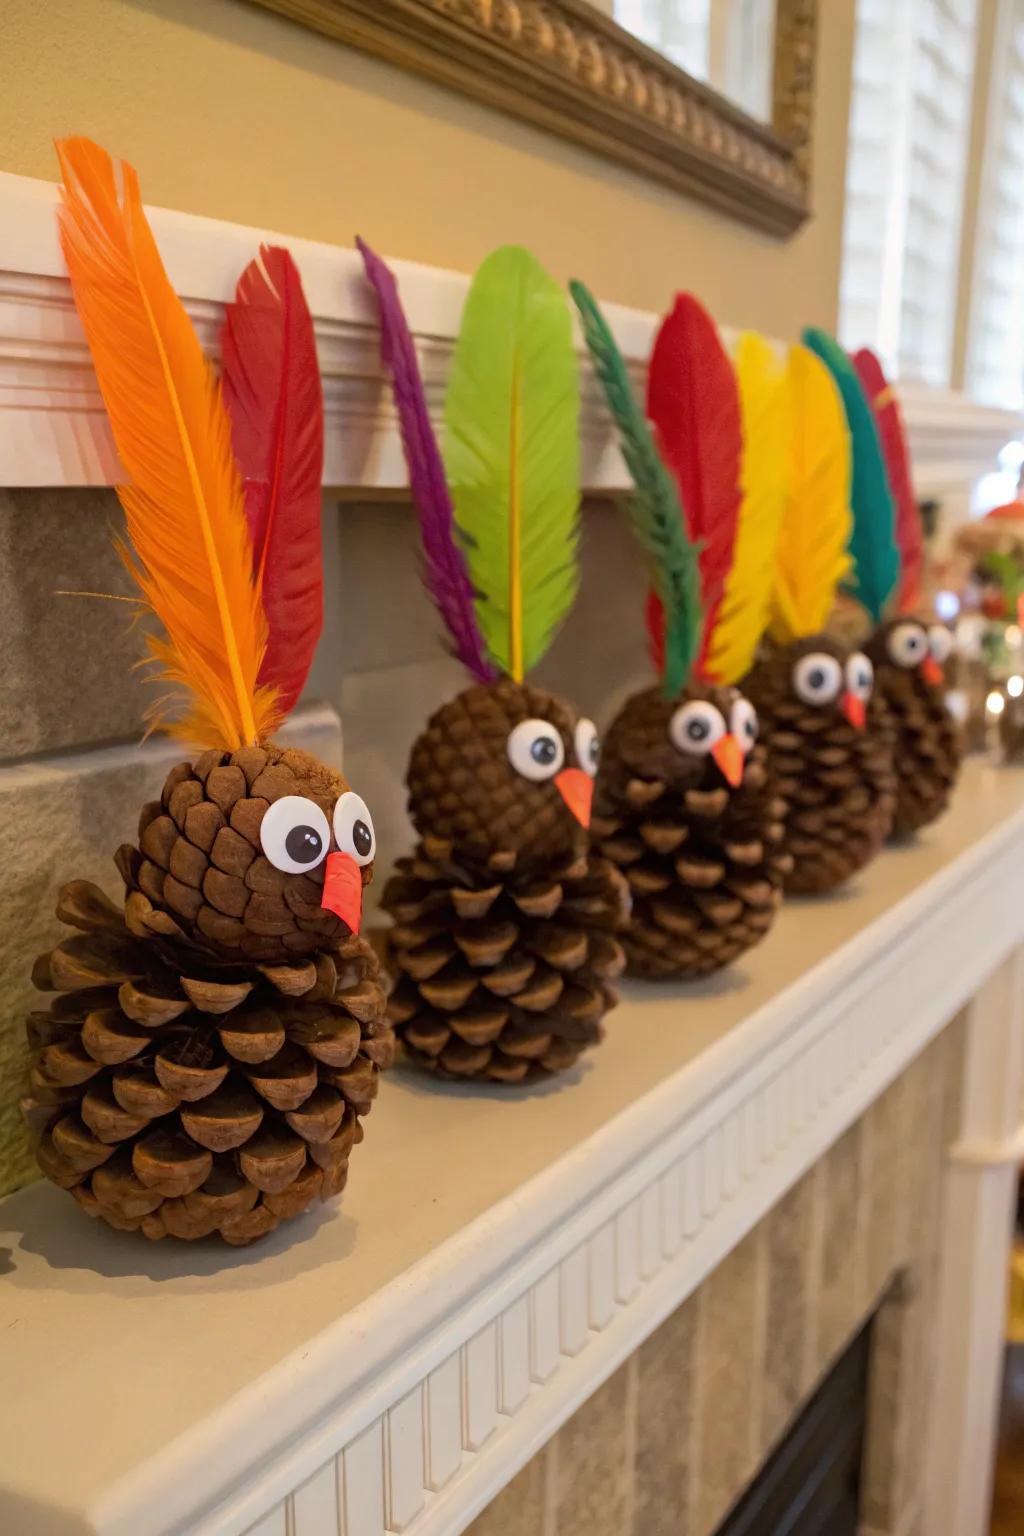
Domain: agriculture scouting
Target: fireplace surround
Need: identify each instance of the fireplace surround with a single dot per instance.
(512, 1306)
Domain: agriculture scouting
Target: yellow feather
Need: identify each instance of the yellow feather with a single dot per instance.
(746, 605)
(811, 556)
(183, 501)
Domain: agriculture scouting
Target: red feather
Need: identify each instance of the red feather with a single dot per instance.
(694, 405)
(896, 452)
(271, 385)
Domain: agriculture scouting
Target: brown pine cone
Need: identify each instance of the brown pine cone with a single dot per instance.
(830, 761)
(503, 939)
(210, 1051)
(908, 677)
(1011, 728)
(508, 980)
(701, 854)
(200, 870)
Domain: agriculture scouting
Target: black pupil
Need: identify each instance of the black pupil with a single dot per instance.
(544, 751)
(593, 750)
(750, 729)
(303, 844)
(816, 677)
(698, 730)
(362, 839)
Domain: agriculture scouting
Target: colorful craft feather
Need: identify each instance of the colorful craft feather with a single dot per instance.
(876, 564)
(896, 452)
(271, 386)
(693, 402)
(444, 564)
(183, 501)
(746, 605)
(654, 508)
(811, 553)
(511, 453)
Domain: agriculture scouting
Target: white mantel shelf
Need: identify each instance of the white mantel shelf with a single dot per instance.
(53, 431)
(388, 1363)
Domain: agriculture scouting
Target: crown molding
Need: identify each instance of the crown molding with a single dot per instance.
(53, 430)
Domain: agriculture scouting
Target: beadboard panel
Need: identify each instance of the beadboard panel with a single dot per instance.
(53, 431)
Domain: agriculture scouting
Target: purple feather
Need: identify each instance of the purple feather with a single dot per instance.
(444, 572)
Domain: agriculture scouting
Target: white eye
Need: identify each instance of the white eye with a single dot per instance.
(940, 641)
(817, 678)
(743, 724)
(353, 828)
(907, 645)
(860, 676)
(695, 727)
(294, 834)
(535, 749)
(588, 746)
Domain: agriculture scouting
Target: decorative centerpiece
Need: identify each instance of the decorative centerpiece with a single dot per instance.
(212, 1045)
(909, 654)
(828, 736)
(683, 802)
(503, 938)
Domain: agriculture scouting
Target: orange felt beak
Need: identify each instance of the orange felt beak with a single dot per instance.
(855, 711)
(728, 757)
(932, 672)
(343, 889)
(577, 790)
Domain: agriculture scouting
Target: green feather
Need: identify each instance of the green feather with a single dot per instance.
(654, 509)
(511, 454)
(873, 548)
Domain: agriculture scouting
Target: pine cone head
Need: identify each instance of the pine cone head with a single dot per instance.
(908, 657)
(815, 684)
(504, 774)
(259, 854)
(701, 740)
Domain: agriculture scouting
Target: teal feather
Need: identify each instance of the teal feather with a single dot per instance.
(654, 509)
(873, 548)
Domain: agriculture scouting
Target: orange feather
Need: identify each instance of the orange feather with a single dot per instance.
(184, 501)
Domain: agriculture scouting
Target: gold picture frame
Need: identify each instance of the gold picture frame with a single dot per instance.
(563, 65)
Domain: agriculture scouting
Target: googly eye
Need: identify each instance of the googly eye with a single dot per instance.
(940, 643)
(535, 750)
(743, 724)
(588, 746)
(860, 676)
(353, 828)
(294, 834)
(817, 678)
(695, 727)
(907, 644)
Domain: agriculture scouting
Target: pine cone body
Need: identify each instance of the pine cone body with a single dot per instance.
(703, 859)
(179, 1085)
(927, 742)
(503, 940)
(1011, 728)
(836, 781)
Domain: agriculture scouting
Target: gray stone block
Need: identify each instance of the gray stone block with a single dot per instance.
(68, 676)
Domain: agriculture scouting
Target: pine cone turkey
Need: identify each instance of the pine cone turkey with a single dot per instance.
(830, 757)
(683, 807)
(212, 1047)
(908, 658)
(504, 927)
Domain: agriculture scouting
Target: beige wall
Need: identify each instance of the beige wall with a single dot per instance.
(231, 112)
